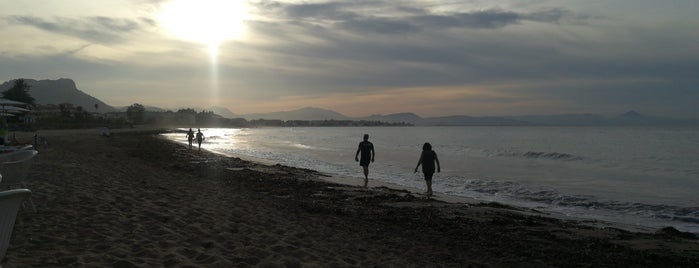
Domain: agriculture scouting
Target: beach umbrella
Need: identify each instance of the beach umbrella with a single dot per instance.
(4, 101)
(7, 107)
(11, 105)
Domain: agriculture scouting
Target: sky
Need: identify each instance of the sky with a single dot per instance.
(357, 57)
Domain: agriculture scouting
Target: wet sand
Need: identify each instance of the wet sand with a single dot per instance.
(136, 200)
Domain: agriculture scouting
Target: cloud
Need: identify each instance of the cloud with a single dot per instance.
(413, 45)
(521, 54)
(98, 29)
(385, 18)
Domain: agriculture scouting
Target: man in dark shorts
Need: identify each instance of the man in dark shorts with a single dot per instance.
(200, 137)
(367, 150)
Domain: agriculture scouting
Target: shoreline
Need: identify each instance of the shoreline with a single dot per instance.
(439, 196)
(347, 180)
(135, 199)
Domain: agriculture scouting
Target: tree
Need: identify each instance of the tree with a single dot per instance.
(19, 92)
(186, 111)
(135, 113)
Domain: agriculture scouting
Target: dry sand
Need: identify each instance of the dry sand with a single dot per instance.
(135, 200)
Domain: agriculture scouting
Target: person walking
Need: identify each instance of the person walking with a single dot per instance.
(200, 137)
(190, 137)
(366, 149)
(428, 158)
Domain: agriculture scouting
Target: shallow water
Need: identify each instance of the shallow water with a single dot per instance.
(632, 175)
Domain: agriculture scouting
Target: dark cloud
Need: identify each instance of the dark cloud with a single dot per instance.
(94, 29)
(329, 11)
(415, 46)
(59, 65)
(357, 17)
(558, 15)
(477, 19)
(378, 25)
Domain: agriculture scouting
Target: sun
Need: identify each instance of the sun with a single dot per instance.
(209, 22)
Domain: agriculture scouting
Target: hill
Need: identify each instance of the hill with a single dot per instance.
(394, 118)
(307, 113)
(61, 91)
(462, 120)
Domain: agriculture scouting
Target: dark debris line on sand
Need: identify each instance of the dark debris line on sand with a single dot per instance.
(138, 200)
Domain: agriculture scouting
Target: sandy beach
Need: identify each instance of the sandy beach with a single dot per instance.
(136, 200)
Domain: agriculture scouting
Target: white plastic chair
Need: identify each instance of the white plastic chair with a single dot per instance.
(9, 206)
(14, 170)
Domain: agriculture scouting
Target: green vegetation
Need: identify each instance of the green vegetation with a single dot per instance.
(19, 92)
(135, 113)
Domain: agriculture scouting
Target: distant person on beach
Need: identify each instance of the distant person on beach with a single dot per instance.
(104, 132)
(190, 137)
(200, 137)
(367, 150)
(428, 158)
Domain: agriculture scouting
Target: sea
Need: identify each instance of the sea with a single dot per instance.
(637, 176)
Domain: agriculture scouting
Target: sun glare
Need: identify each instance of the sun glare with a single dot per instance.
(209, 22)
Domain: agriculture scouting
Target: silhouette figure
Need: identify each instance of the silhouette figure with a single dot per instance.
(200, 137)
(105, 132)
(367, 150)
(190, 137)
(428, 158)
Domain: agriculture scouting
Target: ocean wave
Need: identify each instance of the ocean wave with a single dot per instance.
(542, 155)
(548, 198)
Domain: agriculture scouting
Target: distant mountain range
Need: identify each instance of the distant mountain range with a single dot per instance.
(65, 91)
(625, 119)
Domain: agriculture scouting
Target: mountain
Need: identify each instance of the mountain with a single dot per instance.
(454, 120)
(630, 118)
(635, 118)
(462, 120)
(394, 118)
(564, 119)
(307, 113)
(60, 91)
(222, 111)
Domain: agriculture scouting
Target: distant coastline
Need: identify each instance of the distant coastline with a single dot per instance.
(49, 93)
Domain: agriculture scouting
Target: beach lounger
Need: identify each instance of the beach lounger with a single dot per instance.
(17, 154)
(14, 148)
(9, 206)
(14, 170)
